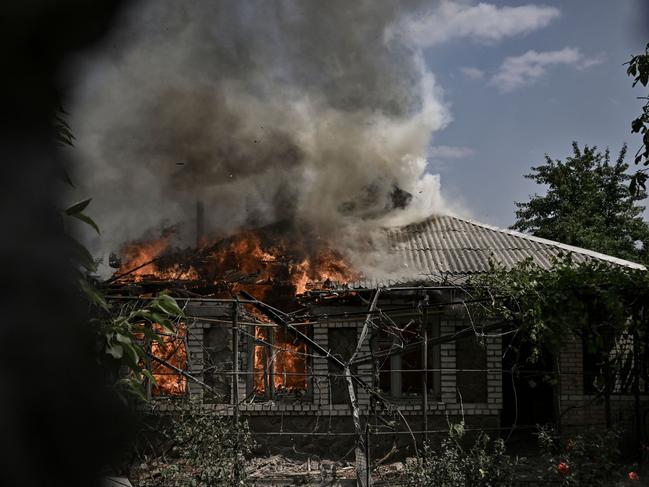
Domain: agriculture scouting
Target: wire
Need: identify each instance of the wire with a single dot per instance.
(379, 433)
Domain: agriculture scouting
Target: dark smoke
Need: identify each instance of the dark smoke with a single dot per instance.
(265, 111)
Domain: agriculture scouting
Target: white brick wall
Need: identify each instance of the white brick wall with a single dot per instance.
(319, 402)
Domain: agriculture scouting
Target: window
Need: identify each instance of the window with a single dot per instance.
(217, 357)
(170, 350)
(342, 343)
(401, 374)
(279, 363)
(592, 366)
(623, 366)
(471, 362)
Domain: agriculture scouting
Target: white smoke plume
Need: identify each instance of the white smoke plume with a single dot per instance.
(266, 111)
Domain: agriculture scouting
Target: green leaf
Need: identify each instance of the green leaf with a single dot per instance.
(159, 318)
(67, 179)
(131, 357)
(92, 293)
(631, 70)
(139, 350)
(115, 350)
(168, 305)
(146, 314)
(148, 333)
(87, 220)
(122, 338)
(136, 388)
(166, 325)
(147, 373)
(78, 207)
(81, 255)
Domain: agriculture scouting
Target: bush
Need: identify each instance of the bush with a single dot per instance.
(589, 458)
(205, 450)
(485, 464)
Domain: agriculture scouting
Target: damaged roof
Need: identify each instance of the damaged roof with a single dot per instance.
(451, 246)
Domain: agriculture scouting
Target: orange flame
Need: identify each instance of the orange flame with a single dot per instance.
(139, 256)
(285, 361)
(245, 259)
(172, 350)
(270, 265)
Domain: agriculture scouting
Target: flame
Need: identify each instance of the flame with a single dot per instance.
(327, 269)
(139, 256)
(272, 266)
(286, 360)
(246, 260)
(171, 349)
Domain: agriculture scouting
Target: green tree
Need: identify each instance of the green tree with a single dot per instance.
(639, 70)
(588, 203)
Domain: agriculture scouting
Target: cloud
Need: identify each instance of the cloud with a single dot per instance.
(590, 62)
(517, 71)
(449, 152)
(472, 73)
(483, 22)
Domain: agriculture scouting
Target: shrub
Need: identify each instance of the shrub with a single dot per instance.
(205, 450)
(588, 458)
(485, 464)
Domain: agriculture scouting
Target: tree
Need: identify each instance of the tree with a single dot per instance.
(588, 203)
(597, 301)
(639, 70)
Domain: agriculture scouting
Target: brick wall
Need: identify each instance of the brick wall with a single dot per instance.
(580, 409)
(318, 403)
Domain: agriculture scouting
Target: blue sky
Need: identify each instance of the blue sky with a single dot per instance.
(508, 114)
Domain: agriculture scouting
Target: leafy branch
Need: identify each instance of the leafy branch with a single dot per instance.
(638, 69)
(120, 331)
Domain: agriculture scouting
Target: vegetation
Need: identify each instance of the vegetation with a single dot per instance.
(548, 307)
(120, 330)
(194, 448)
(639, 70)
(589, 203)
(206, 449)
(591, 457)
(595, 301)
(484, 464)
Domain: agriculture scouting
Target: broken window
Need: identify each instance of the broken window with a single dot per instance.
(400, 374)
(217, 357)
(280, 363)
(171, 353)
(342, 343)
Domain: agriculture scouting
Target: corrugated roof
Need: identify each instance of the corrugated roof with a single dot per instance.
(452, 246)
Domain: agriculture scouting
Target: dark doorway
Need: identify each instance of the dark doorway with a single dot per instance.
(527, 388)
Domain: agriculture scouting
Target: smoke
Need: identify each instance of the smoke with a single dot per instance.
(306, 111)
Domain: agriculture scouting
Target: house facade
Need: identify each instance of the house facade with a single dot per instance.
(414, 365)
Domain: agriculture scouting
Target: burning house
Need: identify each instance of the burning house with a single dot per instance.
(321, 294)
(296, 341)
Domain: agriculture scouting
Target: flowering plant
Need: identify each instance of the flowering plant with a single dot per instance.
(589, 458)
